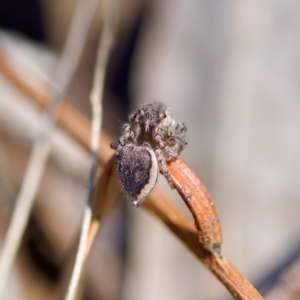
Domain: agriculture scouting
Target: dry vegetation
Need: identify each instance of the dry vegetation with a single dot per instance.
(62, 247)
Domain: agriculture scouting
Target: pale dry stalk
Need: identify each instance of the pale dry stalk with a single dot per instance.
(104, 49)
(42, 146)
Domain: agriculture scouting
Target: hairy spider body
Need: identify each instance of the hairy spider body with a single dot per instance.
(137, 169)
(153, 128)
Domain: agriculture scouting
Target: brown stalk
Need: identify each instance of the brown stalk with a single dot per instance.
(70, 119)
(287, 285)
(200, 203)
(203, 239)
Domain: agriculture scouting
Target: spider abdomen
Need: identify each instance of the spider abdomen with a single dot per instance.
(137, 171)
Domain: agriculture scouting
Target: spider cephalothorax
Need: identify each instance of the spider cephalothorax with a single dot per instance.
(150, 130)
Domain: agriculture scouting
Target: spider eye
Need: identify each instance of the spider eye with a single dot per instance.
(163, 116)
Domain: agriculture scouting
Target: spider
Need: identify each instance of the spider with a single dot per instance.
(150, 137)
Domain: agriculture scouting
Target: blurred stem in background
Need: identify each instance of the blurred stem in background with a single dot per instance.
(63, 75)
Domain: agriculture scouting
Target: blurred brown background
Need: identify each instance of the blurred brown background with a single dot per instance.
(230, 71)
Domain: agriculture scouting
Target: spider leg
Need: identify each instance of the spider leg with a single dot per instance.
(164, 146)
(178, 136)
(176, 145)
(126, 136)
(163, 166)
(181, 127)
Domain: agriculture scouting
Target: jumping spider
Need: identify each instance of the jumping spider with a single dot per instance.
(150, 137)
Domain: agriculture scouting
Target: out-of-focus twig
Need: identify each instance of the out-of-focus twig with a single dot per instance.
(69, 118)
(287, 286)
(104, 49)
(107, 192)
(65, 70)
(158, 202)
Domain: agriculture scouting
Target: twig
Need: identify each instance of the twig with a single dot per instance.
(209, 231)
(41, 149)
(287, 285)
(200, 203)
(69, 118)
(158, 202)
(104, 48)
(107, 193)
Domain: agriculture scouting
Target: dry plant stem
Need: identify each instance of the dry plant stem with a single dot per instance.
(200, 203)
(22, 211)
(158, 202)
(206, 244)
(161, 206)
(105, 198)
(287, 286)
(104, 48)
(41, 149)
(69, 118)
(80, 255)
